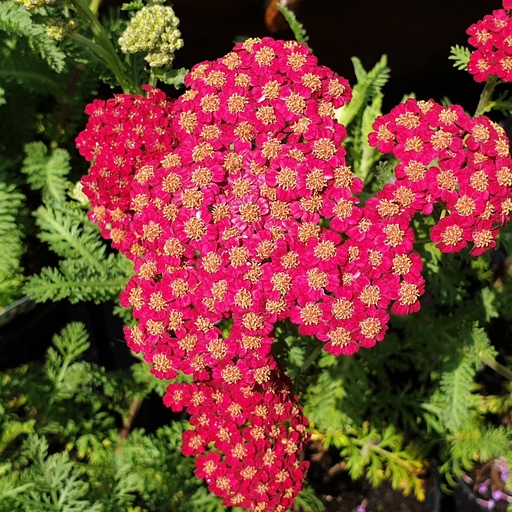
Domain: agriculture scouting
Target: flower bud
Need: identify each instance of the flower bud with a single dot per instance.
(31, 5)
(154, 29)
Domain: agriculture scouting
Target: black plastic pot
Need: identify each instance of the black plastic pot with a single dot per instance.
(27, 328)
(433, 497)
(465, 499)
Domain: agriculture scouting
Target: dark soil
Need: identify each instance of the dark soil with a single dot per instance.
(339, 493)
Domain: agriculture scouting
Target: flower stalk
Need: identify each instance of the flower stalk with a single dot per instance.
(497, 367)
(103, 46)
(485, 102)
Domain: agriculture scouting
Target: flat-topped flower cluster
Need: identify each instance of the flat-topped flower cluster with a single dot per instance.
(492, 38)
(237, 206)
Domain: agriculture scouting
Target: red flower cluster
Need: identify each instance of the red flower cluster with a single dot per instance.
(448, 159)
(492, 38)
(213, 197)
(237, 207)
(256, 434)
(120, 143)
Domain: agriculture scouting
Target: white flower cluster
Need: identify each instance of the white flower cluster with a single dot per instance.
(154, 29)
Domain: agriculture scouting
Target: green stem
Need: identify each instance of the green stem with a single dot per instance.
(132, 413)
(94, 6)
(486, 97)
(95, 47)
(422, 241)
(18, 490)
(311, 359)
(103, 46)
(55, 498)
(497, 367)
(152, 80)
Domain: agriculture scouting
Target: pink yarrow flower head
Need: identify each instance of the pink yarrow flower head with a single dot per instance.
(214, 196)
(492, 39)
(120, 134)
(221, 198)
(466, 171)
(257, 435)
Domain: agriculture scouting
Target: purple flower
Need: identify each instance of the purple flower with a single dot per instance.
(487, 504)
(483, 488)
(497, 495)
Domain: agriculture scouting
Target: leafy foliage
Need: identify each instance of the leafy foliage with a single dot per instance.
(174, 77)
(360, 113)
(46, 172)
(69, 411)
(299, 32)
(16, 21)
(460, 56)
(11, 244)
(67, 439)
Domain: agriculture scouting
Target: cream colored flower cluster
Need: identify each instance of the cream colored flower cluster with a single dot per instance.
(154, 29)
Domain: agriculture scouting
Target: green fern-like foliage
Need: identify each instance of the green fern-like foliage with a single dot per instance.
(56, 483)
(174, 77)
(97, 279)
(31, 73)
(460, 56)
(459, 413)
(87, 270)
(61, 446)
(32, 67)
(47, 172)
(369, 85)
(360, 114)
(340, 404)
(299, 32)
(11, 244)
(380, 456)
(16, 21)
(68, 441)
(478, 442)
(457, 384)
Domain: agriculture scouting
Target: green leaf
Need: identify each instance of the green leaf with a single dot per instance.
(14, 19)
(11, 244)
(12, 429)
(457, 386)
(58, 483)
(299, 32)
(174, 77)
(460, 56)
(369, 85)
(71, 235)
(77, 281)
(46, 171)
(136, 5)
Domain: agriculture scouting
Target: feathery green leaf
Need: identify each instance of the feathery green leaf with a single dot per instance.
(460, 56)
(299, 32)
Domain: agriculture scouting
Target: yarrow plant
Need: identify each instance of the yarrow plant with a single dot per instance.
(237, 206)
(270, 206)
